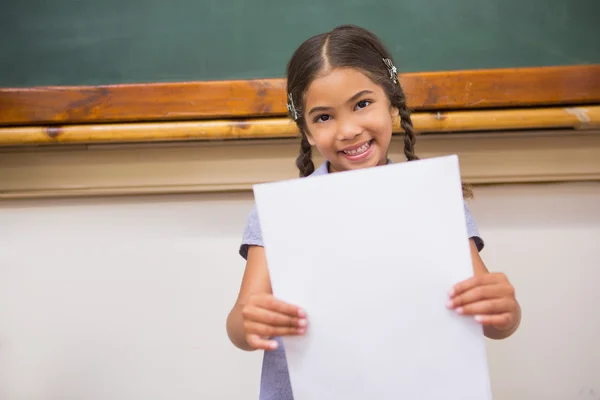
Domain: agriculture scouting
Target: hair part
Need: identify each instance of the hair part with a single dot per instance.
(352, 47)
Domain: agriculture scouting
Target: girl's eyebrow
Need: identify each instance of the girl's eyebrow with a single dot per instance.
(350, 100)
(359, 94)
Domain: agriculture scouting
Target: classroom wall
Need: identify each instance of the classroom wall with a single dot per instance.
(126, 298)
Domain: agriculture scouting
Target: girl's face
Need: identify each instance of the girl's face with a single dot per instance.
(349, 119)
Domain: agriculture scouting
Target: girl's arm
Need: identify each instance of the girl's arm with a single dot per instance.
(256, 314)
(489, 297)
(255, 280)
(514, 317)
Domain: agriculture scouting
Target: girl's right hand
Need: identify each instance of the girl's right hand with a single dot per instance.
(266, 317)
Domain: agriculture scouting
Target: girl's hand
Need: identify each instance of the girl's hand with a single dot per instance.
(490, 298)
(266, 317)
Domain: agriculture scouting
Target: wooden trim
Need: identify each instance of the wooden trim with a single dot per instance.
(138, 169)
(446, 90)
(425, 122)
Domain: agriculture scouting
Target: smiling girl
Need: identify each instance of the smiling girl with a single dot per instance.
(344, 95)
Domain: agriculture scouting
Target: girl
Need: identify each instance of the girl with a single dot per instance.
(343, 93)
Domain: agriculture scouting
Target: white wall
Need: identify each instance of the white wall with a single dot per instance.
(546, 238)
(126, 298)
(122, 299)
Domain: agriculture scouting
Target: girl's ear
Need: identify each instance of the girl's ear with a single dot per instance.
(394, 111)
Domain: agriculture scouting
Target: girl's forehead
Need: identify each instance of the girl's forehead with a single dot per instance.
(338, 85)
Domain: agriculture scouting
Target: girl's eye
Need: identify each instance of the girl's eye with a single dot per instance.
(362, 104)
(323, 118)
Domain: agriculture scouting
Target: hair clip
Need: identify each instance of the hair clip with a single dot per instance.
(291, 108)
(392, 69)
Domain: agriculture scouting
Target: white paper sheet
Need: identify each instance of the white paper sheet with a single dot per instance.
(371, 255)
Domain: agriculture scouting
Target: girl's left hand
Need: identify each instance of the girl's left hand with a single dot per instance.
(489, 297)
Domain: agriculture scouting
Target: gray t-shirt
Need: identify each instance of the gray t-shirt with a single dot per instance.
(275, 380)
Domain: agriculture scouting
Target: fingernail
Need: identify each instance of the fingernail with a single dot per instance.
(301, 331)
(451, 292)
(302, 322)
(273, 345)
(478, 318)
(449, 303)
(301, 313)
(459, 310)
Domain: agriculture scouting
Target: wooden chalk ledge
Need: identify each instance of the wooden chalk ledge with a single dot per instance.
(582, 117)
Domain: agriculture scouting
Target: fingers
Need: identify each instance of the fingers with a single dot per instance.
(267, 310)
(272, 318)
(256, 328)
(490, 298)
(271, 303)
(266, 317)
(500, 321)
(479, 293)
(475, 281)
(258, 343)
(487, 307)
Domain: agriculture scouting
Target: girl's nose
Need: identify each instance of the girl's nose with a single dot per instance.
(348, 130)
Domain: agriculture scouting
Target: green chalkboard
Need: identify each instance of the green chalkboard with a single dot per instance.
(91, 42)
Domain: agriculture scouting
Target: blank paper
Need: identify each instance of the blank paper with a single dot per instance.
(371, 255)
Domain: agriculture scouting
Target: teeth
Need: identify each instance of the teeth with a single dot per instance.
(358, 151)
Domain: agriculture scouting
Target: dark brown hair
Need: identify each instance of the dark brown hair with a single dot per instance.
(345, 46)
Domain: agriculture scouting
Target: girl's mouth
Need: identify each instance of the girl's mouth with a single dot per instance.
(358, 152)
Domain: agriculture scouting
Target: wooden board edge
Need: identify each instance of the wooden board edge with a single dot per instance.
(580, 117)
(426, 91)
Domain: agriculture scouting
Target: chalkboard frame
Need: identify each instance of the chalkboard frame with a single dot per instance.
(206, 100)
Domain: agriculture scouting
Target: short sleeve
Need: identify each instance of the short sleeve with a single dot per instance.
(472, 229)
(252, 234)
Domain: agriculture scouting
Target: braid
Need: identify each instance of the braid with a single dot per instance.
(304, 160)
(409, 132)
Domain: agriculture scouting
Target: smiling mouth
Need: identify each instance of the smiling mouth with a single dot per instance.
(358, 152)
